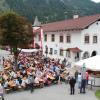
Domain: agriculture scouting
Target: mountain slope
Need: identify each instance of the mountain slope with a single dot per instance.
(4, 7)
(50, 10)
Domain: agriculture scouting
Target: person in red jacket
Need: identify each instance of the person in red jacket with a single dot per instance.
(87, 78)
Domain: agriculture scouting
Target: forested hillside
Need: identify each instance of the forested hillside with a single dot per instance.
(50, 10)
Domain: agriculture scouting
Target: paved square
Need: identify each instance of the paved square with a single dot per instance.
(55, 92)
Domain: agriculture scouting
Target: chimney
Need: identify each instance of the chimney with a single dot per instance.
(75, 16)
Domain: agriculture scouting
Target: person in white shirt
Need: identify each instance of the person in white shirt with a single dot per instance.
(79, 80)
(36, 80)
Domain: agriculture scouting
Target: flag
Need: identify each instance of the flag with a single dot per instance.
(41, 37)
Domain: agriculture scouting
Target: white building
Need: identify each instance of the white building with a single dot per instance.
(74, 39)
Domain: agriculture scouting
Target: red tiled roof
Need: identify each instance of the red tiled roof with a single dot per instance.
(72, 24)
(76, 49)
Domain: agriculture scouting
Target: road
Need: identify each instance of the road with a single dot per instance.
(55, 92)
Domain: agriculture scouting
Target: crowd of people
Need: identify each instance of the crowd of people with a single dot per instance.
(37, 71)
(32, 71)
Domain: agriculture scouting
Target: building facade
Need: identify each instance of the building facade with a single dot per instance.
(73, 39)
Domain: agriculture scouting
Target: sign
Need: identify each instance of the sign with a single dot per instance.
(83, 71)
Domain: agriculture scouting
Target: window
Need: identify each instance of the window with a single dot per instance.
(85, 55)
(61, 38)
(86, 39)
(68, 38)
(94, 53)
(61, 52)
(45, 37)
(52, 37)
(51, 51)
(39, 37)
(77, 56)
(94, 39)
(68, 53)
(55, 52)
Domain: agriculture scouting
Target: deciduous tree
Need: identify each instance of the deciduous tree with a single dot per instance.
(15, 31)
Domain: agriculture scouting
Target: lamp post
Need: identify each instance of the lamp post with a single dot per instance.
(46, 50)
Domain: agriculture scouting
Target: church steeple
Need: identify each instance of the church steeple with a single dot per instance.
(36, 22)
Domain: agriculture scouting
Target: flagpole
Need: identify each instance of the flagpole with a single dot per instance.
(33, 40)
(41, 38)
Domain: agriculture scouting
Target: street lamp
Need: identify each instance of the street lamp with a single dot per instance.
(46, 50)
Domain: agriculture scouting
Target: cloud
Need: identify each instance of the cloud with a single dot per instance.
(97, 1)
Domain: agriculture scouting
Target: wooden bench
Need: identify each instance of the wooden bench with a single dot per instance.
(20, 88)
(8, 90)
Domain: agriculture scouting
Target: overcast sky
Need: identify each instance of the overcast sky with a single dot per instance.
(96, 0)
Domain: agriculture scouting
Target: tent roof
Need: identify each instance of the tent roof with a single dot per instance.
(92, 63)
(4, 53)
(29, 50)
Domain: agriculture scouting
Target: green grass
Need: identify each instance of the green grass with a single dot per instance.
(97, 93)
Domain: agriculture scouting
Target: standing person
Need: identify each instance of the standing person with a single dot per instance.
(72, 82)
(31, 82)
(76, 75)
(3, 59)
(67, 78)
(83, 86)
(79, 80)
(87, 78)
(64, 62)
(1, 92)
(83, 83)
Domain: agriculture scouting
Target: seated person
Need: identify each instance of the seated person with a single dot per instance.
(24, 82)
(36, 81)
(6, 84)
(12, 84)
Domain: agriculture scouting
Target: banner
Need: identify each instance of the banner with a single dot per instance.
(41, 38)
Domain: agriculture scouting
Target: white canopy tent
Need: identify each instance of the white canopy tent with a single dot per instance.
(92, 63)
(4, 53)
(29, 50)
